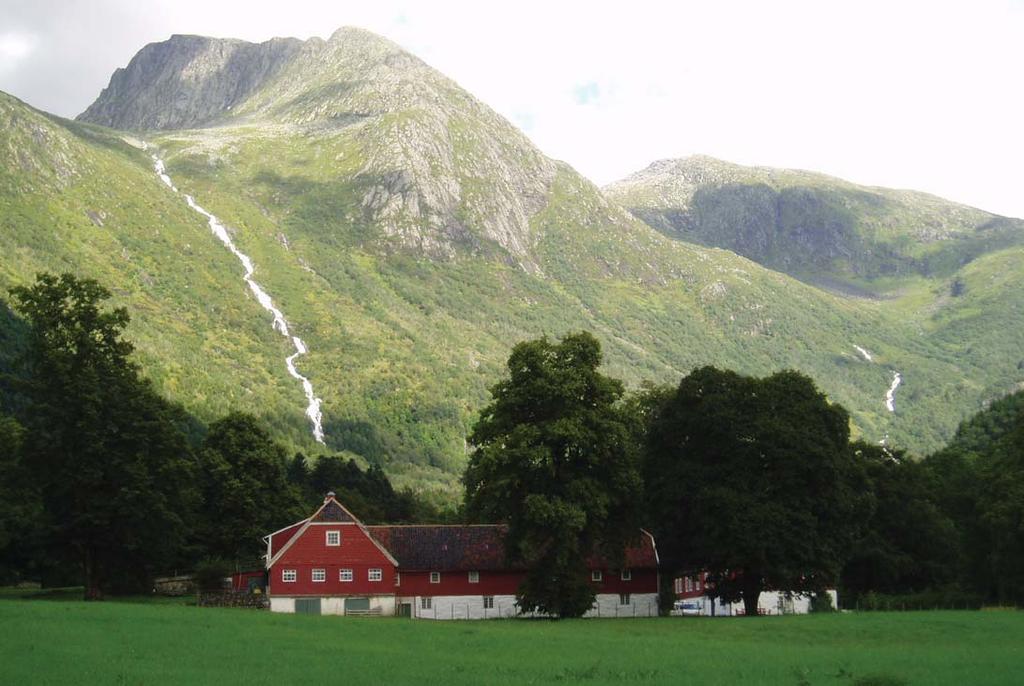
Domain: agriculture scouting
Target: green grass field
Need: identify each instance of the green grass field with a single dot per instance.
(61, 642)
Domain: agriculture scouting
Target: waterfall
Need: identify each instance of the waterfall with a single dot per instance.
(890, 395)
(279, 324)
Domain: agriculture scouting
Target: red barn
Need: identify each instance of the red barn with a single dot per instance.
(331, 563)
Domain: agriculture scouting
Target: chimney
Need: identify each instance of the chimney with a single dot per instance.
(330, 494)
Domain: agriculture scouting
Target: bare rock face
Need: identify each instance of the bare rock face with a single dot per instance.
(187, 81)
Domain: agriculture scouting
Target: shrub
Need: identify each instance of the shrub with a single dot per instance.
(211, 572)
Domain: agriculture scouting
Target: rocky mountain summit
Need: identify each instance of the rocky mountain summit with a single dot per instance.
(187, 81)
(436, 170)
(809, 224)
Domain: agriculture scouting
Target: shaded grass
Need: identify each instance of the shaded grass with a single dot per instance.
(58, 642)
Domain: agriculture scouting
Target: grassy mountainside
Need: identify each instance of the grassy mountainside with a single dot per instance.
(412, 236)
(811, 225)
(78, 198)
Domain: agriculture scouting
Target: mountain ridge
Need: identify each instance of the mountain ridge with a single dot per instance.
(413, 236)
(806, 223)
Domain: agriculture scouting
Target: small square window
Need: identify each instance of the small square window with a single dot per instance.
(426, 603)
(474, 577)
(623, 599)
(375, 575)
(435, 577)
(319, 575)
(345, 575)
(596, 575)
(627, 575)
(488, 602)
(333, 538)
(289, 576)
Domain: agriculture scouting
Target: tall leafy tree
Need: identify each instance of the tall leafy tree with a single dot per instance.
(553, 459)
(908, 543)
(752, 481)
(246, 493)
(19, 506)
(107, 454)
(1001, 514)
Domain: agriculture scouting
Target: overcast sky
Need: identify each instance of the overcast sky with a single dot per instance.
(917, 95)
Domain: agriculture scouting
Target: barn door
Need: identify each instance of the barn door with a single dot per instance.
(357, 605)
(405, 610)
(307, 606)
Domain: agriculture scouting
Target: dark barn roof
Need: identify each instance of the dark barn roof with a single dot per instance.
(449, 548)
(473, 547)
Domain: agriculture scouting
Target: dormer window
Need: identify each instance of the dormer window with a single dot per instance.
(333, 538)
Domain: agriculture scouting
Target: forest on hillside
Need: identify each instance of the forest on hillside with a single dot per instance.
(753, 481)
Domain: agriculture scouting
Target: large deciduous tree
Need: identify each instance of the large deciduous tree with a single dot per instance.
(908, 543)
(246, 493)
(752, 481)
(107, 455)
(553, 459)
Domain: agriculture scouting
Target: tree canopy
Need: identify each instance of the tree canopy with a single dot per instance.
(553, 459)
(751, 480)
(107, 455)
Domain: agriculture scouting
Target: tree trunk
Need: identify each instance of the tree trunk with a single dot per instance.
(92, 582)
(751, 592)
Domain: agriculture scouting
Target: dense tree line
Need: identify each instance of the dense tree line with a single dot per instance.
(754, 482)
(107, 484)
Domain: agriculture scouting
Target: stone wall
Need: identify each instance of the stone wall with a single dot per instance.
(256, 601)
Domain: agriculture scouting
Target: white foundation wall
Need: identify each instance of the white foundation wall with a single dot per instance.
(462, 607)
(640, 605)
(383, 605)
(472, 607)
(278, 604)
(769, 603)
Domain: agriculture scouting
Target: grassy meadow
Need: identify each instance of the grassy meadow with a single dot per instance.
(61, 641)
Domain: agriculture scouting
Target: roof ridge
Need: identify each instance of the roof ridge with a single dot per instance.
(433, 525)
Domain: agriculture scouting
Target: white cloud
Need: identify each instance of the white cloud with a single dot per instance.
(14, 47)
(913, 94)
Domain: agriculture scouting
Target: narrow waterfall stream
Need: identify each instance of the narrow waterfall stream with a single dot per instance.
(279, 323)
(897, 379)
(890, 395)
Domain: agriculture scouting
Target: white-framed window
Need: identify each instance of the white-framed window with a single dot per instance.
(435, 577)
(289, 576)
(333, 538)
(345, 575)
(474, 577)
(375, 574)
(398, 578)
(488, 602)
(679, 585)
(596, 575)
(626, 575)
(623, 599)
(426, 603)
(319, 575)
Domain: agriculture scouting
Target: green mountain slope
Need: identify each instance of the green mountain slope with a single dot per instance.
(411, 236)
(810, 225)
